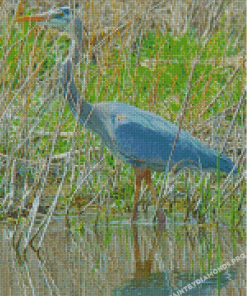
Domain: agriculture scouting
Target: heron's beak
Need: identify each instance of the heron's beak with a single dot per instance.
(42, 17)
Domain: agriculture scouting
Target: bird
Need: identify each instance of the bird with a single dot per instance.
(138, 137)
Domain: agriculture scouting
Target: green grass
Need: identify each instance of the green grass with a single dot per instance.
(154, 77)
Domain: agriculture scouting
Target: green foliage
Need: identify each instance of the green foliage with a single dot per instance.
(157, 70)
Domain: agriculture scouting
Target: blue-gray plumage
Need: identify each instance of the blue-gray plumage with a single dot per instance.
(138, 137)
(146, 140)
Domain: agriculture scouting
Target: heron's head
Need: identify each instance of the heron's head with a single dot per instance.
(56, 17)
(59, 18)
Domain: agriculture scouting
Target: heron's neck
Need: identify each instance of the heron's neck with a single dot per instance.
(78, 106)
(77, 41)
(85, 112)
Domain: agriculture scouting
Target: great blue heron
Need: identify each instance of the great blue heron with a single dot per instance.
(141, 138)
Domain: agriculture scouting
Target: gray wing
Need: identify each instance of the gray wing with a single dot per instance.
(143, 138)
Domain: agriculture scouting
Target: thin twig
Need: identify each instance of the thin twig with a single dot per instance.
(229, 81)
(233, 120)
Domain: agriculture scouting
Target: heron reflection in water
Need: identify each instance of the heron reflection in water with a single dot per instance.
(140, 138)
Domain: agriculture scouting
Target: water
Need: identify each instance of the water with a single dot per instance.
(116, 258)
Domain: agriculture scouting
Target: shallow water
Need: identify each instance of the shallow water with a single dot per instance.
(89, 256)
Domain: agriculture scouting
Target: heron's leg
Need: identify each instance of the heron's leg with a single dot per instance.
(139, 175)
(150, 185)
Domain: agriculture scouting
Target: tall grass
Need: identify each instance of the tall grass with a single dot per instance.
(139, 53)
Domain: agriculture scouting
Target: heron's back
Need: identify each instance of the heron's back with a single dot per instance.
(145, 139)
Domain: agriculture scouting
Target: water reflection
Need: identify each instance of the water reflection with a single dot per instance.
(159, 284)
(145, 282)
(122, 260)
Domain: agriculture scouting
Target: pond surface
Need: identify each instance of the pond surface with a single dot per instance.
(88, 256)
